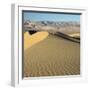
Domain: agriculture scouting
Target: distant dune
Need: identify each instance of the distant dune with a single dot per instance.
(52, 56)
(75, 35)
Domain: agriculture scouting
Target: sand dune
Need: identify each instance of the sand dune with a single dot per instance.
(52, 56)
(75, 35)
(30, 40)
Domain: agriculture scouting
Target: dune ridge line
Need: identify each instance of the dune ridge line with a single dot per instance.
(30, 40)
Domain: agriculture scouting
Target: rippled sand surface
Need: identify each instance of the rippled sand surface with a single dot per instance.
(53, 56)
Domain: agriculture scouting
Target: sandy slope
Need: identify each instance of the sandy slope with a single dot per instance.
(52, 56)
(74, 35)
(30, 40)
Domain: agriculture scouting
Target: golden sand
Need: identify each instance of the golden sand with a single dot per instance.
(53, 56)
(75, 35)
(30, 40)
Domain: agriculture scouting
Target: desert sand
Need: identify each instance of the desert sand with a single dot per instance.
(30, 40)
(74, 35)
(50, 56)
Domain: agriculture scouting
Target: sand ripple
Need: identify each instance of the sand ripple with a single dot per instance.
(52, 57)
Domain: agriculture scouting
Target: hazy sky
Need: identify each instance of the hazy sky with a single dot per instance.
(45, 16)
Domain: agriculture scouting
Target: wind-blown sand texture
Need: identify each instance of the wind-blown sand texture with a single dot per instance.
(52, 56)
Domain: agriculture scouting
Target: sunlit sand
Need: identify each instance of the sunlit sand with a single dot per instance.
(75, 35)
(51, 56)
(30, 40)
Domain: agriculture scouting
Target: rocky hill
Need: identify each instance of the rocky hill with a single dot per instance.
(50, 26)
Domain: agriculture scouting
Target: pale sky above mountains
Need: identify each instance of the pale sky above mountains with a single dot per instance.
(47, 16)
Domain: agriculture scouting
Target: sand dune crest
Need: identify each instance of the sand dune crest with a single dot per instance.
(30, 40)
